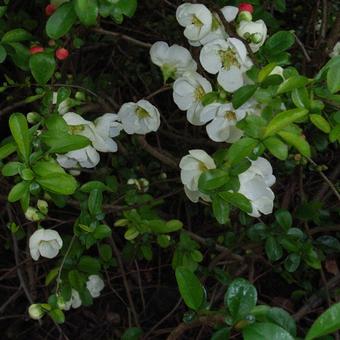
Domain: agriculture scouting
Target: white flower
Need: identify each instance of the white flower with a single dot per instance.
(336, 50)
(217, 30)
(255, 32)
(141, 117)
(229, 59)
(173, 60)
(188, 92)
(196, 19)
(255, 184)
(100, 132)
(35, 311)
(87, 157)
(74, 302)
(95, 285)
(223, 117)
(193, 165)
(45, 242)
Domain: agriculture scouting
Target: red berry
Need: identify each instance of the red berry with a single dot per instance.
(61, 53)
(245, 7)
(49, 10)
(36, 49)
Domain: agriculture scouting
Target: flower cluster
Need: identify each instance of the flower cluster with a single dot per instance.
(134, 118)
(225, 57)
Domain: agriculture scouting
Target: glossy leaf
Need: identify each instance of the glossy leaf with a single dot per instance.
(19, 129)
(42, 66)
(297, 141)
(237, 200)
(265, 331)
(276, 147)
(87, 11)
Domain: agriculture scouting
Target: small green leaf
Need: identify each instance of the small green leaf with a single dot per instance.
(89, 265)
(276, 147)
(7, 149)
(190, 288)
(127, 7)
(291, 84)
(95, 201)
(16, 35)
(77, 280)
(241, 298)
(237, 200)
(265, 331)
(19, 190)
(292, 262)
(265, 72)
(63, 184)
(102, 231)
(242, 95)
(320, 122)
(284, 218)
(283, 119)
(300, 98)
(212, 179)
(333, 79)
(273, 249)
(3, 54)
(87, 11)
(279, 42)
(19, 129)
(57, 315)
(297, 141)
(220, 209)
(42, 66)
(133, 333)
(11, 169)
(241, 149)
(328, 322)
(61, 21)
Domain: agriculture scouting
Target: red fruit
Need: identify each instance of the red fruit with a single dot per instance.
(49, 10)
(245, 7)
(36, 49)
(61, 53)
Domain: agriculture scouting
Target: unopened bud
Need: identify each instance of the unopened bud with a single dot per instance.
(33, 214)
(33, 117)
(121, 223)
(35, 311)
(244, 16)
(42, 206)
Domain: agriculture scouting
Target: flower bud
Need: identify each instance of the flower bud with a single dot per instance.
(36, 49)
(256, 38)
(42, 206)
(32, 214)
(51, 42)
(33, 117)
(246, 7)
(80, 95)
(49, 10)
(35, 311)
(62, 53)
(244, 16)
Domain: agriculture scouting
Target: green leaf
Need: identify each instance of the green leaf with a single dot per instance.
(291, 84)
(273, 249)
(297, 141)
(284, 218)
(102, 231)
(241, 298)
(89, 265)
(276, 147)
(300, 98)
(77, 280)
(333, 79)
(19, 190)
(328, 322)
(279, 42)
(63, 184)
(11, 169)
(212, 179)
(265, 72)
(64, 142)
(57, 315)
(61, 21)
(333, 136)
(242, 95)
(16, 35)
(190, 288)
(292, 262)
(221, 334)
(46, 168)
(283, 119)
(19, 129)
(133, 333)
(241, 149)
(42, 66)
(237, 200)
(127, 7)
(7, 149)
(220, 209)
(3, 54)
(20, 55)
(87, 11)
(105, 252)
(95, 201)
(265, 331)
(162, 227)
(320, 122)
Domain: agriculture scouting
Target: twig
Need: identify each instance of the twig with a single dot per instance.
(123, 36)
(125, 281)
(302, 46)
